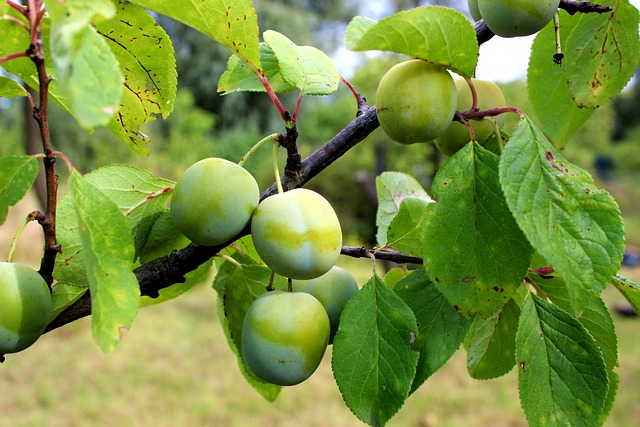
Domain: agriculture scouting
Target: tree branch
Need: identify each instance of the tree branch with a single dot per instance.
(572, 7)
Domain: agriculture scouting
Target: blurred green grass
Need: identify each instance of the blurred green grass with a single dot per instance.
(173, 368)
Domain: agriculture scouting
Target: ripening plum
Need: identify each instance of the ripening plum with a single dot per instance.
(513, 18)
(25, 306)
(297, 234)
(333, 289)
(457, 135)
(284, 336)
(415, 101)
(213, 201)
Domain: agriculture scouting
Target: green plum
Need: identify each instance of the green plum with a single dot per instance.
(284, 336)
(333, 289)
(213, 201)
(457, 135)
(513, 18)
(297, 234)
(25, 301)
(473, 10)
(415, 101)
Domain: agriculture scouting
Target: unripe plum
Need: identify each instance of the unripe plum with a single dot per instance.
(297, 234)
(457, 135)
(473, 10)
(333, 289)
(213, 201)
(415, 101)
(25, 307)
(512, 18)
(284, 336)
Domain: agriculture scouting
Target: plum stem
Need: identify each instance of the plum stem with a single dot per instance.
(276, 169)
(263, 141)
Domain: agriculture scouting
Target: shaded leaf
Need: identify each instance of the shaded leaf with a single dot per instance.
(10, 88)
(17, 175)
(405, 230)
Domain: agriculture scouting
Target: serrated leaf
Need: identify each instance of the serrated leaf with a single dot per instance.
(238, 285)
(239, 77)
(441, 329)
(472, 247)
(629, 290)
(554, 107)
(192, 279)
(602, 53)
(108, 251)
(574, 225)
(232, 23)
(392, 189)
(405, 230)
(436, 34)
(17, 175)
(156, 235)
(304, 67)
(10, 88)
(492, 343)
(86, 69)
(562, 378)
(146, 57)
(372, 360)
(614, 383)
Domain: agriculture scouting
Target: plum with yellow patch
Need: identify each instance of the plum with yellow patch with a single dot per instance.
(284, 337)
(297, 234)
(213, 201)
(25, 307)
(333, 289)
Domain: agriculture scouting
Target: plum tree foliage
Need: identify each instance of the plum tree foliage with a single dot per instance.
(507, 251)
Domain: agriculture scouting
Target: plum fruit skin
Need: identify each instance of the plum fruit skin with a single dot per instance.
(514, 18)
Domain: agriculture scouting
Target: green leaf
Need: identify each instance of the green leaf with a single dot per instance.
(562, 377)
(63, 296)
(405, 230)
(304, 67)
(239, 77)
(108, 251)
(10, 88)
(85, 67)
(472, 248)
(437, 34)
(602, 53)
(554, 107)
(392, 189)
(156, 235)
(372, 360)
(492, 343)
(193, 279)
(575, 226)
(629, 290)
(232, 23)
(614, 383)
(441, 329)
(238, 285)
(17, 175)
(145, 54)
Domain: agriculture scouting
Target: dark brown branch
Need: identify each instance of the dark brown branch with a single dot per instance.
(572, 7)
(397, 257)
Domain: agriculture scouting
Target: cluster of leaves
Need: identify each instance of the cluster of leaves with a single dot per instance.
(516, 248)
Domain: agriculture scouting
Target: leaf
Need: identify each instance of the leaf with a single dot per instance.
(304, 67)
(441, 329)
(108, 251)
(614, 383)
(406, 227)
(17, 175)
(86, 69)
(554, 107)
(562, 377)
(472, 247)
(146, 57)
(232, 23)
(602, 53)
(629, 290)
(492, 343)
(372, 360)
(436, 34)
(238, 285)
(239, 77)
(63, 296)
(10, 88)
(575, 226)
(392, 189)
(156, 236)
